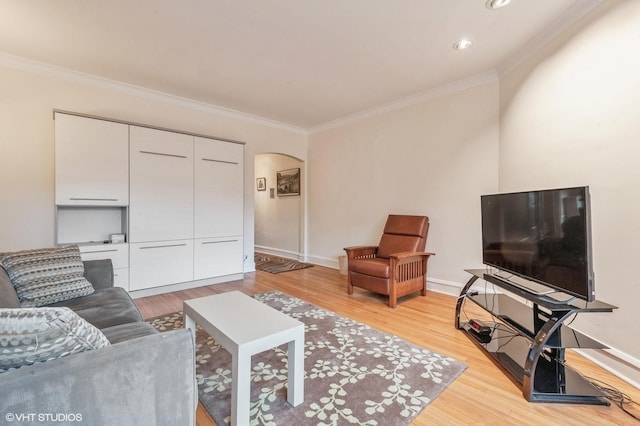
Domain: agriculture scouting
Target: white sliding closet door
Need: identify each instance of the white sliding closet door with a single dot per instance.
(218, 188)
(218, 247)
(161, 191)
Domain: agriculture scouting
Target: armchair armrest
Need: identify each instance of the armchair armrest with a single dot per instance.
(360, 252)
(407, 266)
(409, 254)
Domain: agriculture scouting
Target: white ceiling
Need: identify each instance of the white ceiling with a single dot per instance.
(299, 62)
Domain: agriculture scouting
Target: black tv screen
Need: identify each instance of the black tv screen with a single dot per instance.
(543, 236)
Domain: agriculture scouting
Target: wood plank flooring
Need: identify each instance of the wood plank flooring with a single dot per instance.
(483, 395)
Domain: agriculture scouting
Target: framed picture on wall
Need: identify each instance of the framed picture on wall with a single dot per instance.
(261, 184)
(288, 182)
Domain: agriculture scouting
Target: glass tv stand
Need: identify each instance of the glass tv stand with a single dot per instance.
(528, 338)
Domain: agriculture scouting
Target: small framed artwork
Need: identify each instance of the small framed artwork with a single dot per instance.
(288, 182)
(261, 184)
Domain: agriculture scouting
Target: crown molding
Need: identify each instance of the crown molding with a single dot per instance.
(562, 24)
(568, 19)
(436, 92)
(53, 71)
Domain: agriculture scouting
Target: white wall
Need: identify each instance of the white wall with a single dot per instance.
(570, 116)
(434, 158)
(30, 92)
(278, 220)
(566, 116)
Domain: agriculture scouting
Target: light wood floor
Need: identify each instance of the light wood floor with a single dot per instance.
(483, 395)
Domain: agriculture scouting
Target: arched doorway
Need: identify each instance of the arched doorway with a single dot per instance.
(279, 215)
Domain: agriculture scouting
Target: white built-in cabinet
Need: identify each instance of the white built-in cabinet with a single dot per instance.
(177, 197)
(119, 255)
(158, 263)
(161, 209)
(217, 256)
(161, 185)
(92, 188)
(92, 162)
(218, 226)
(218, 176)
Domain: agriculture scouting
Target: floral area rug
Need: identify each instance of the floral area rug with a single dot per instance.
(354, 374)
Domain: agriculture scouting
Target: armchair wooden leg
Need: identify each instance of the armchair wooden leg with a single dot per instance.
(393, 301)
(393, 296)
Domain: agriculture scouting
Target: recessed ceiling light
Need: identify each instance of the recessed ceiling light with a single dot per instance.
(462, 44)
(497, 4)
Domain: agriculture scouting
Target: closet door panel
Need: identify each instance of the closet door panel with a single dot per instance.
(215, 257)
(91, 161)
(160, 263)
(161, 192)
(218, 188)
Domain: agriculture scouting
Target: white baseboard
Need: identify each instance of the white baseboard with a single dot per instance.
(287, 254)
(443, 286)
(617, 363)
(329, 262)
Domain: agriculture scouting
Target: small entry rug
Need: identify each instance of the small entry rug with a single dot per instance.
(354, 374)
(276, 265)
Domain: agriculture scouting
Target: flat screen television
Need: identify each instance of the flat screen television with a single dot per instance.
(542, 237)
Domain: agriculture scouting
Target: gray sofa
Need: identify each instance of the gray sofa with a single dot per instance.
(142, 378)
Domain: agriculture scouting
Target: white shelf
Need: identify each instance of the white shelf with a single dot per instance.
(89, 225)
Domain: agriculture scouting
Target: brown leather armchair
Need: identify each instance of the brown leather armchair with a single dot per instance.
(398, 265)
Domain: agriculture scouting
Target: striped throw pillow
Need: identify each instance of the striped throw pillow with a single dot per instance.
(44, 276)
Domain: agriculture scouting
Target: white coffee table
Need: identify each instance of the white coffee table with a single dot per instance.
(245, 327)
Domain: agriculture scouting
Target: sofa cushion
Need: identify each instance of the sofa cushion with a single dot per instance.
(132, 330)
(104, 308)
(32, 335)
(8, 296)
(99, 273)
(44, 276)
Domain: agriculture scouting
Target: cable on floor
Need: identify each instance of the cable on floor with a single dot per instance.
(614, 395)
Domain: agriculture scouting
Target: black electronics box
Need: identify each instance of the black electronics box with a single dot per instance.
(479, 327)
